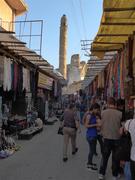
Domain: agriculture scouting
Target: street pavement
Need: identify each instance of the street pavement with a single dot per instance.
(41, 159)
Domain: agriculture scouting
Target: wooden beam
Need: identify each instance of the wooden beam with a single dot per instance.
(105, 55)
(13, 45)
(119, 24)
(95, 42)
(96, 65)
(7, 32)
(113, 34)
(41, 64)
(104, 50)
(119, 9)
(33, 55)
(22, 50)
(15, 42)
(100, 60)
(39, 61)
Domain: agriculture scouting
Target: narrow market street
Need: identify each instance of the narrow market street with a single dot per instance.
(41, 159)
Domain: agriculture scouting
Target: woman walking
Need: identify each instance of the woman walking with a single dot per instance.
(91, 135)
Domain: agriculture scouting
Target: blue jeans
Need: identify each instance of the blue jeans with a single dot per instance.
(92, 148)
(132, 167)
(127, 171)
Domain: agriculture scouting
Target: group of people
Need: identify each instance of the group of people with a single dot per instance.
(106, 127)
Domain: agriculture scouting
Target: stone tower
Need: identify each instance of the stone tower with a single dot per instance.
(63, 47)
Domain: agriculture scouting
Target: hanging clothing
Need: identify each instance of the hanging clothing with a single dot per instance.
(20, 79)
(1, 70)
(15, 76)
(7, 74)
(26, 79)
(32, 82)
(12, 75)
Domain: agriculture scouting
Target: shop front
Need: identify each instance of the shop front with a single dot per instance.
(45, 87)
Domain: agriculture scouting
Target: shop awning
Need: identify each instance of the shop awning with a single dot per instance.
(18, 5)
(95, 66)
(18, 50)
(117, 24)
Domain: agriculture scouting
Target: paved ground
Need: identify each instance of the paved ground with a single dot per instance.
(41, 159)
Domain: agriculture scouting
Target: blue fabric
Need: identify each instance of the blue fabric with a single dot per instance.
(82, 108)
(81, 117)
(127, 171)
(92, 132)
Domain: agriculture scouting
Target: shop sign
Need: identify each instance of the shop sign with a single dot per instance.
(45, 82)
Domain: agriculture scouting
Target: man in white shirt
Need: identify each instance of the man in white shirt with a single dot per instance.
(130, 126)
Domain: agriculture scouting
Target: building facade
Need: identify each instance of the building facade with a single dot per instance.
(9, 9)
(76, 70)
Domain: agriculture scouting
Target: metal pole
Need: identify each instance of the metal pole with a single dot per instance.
(30, 34)
(41, 37)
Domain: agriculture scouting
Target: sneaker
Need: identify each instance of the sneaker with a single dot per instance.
(91, 167)
(116, 178)
(119, 176)
(101, 177)
(65, 159)
(95, 165)
(74, 152)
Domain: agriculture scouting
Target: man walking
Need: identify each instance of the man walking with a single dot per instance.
(70, 124)
(111, 119)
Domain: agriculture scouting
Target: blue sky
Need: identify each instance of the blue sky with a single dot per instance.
(83, 23)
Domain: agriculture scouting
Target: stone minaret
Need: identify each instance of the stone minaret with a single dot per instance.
(63, 47)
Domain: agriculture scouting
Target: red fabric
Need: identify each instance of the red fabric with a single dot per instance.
(15, 76)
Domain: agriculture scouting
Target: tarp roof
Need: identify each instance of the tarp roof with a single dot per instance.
(117, 24)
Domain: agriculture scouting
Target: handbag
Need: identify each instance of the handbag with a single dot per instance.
(124, 148)
(60, 130)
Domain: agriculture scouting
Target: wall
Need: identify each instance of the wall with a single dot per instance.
(6, 14)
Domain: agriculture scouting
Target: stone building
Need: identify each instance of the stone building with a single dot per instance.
(76, 70)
